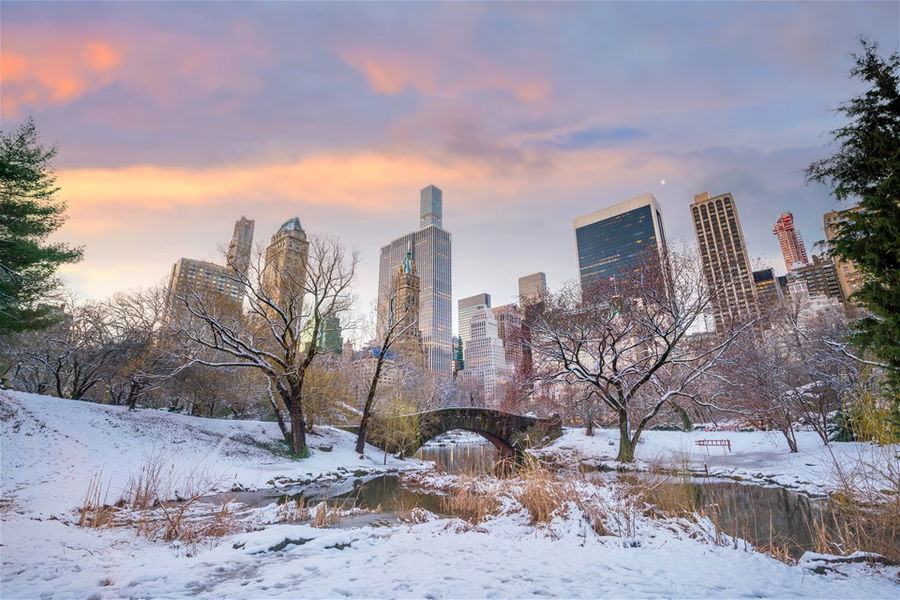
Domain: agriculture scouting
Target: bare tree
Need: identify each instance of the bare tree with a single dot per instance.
(626, 338)
(401, 322)
(147, 350)
(280, 334)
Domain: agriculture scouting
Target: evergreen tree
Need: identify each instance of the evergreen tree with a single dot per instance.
(29, 212)
(866, 169)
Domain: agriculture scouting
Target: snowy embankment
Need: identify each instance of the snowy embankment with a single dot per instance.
(757, 456)
(52, 448)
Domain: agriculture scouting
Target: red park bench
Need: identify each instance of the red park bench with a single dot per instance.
(707, 443)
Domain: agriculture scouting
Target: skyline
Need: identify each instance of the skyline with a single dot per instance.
(339, 115)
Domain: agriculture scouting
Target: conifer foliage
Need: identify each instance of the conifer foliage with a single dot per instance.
(866, 170)
(30, 211)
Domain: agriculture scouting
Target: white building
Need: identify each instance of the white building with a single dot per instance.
(484, 356)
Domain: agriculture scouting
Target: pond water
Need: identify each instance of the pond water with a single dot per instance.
(760, 515)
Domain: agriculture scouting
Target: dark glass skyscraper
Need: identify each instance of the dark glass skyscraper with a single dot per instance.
(619, 239)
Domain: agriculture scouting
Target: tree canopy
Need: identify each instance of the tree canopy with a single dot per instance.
(30, 211)
(866, 169)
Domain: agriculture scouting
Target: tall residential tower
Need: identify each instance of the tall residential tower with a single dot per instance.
(723, 252)
(792, 248)
(431, 250)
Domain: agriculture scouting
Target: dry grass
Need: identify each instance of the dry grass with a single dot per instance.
(543, 493)
(472, 503)
(152, 505)
(94, 511)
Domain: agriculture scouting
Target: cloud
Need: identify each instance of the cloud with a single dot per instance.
(449, 72)
(52, 65)
(61, 73)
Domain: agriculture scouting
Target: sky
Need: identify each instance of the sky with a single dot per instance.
(172, 120)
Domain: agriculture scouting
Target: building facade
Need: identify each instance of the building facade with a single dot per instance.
(284, 274)
(214, 282)
(404, 313)
(723, 253)
(466, 307)
(532, 288)
(431, 250)
(241, 245)
(620, 239)
(819, 279)
(766, 284)
(513, 332)
(792, 248)
(850, 278)
(485, 357)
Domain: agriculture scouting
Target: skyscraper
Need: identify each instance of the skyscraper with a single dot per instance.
(404, 312)
(792, 248)
(431, 204)
(431, 250)
(532, 288)
(485, 358)
(850, 278)
(620, 239)
(241, 245)
(513, 332)
(723, 252)
(216, 282)
(284, 273)
(466, 307)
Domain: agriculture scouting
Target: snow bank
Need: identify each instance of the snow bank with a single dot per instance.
(51, 448)
(759, 456)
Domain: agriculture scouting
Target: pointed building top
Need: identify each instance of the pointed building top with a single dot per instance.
(408, 261)
(291, 225)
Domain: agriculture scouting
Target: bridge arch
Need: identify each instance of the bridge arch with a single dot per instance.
(508, 432)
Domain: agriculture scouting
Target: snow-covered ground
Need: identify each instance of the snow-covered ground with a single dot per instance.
(52, 448)
(759, 457)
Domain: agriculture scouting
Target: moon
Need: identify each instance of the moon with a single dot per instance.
(662, 182)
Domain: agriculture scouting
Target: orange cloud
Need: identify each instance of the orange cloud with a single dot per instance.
(62, 71)
(367, 181)
(389, 71)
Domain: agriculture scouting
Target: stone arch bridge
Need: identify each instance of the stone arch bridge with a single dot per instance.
(509, 433)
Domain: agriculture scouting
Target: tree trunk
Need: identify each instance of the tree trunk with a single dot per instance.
(589, 429)
(626, 448)
(361, 435)
(298, 430)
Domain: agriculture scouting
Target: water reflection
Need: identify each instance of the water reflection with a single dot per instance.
(473, 458)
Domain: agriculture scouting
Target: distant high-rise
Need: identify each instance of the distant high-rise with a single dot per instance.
(284, 273)
(532, 288)
(485, 358)
(466, 308)
(766, 284)
(514, 333)
(620, 239)
(820, 279)
(241, 245)
(212, 281)
(431, 250)
(430, 207)
(792, 248)
(850, 278)
(723, 252)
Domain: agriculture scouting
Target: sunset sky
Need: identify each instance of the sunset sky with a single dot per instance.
(174, 119)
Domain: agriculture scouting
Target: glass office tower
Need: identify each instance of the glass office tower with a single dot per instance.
(619, 239)
(431, 251)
